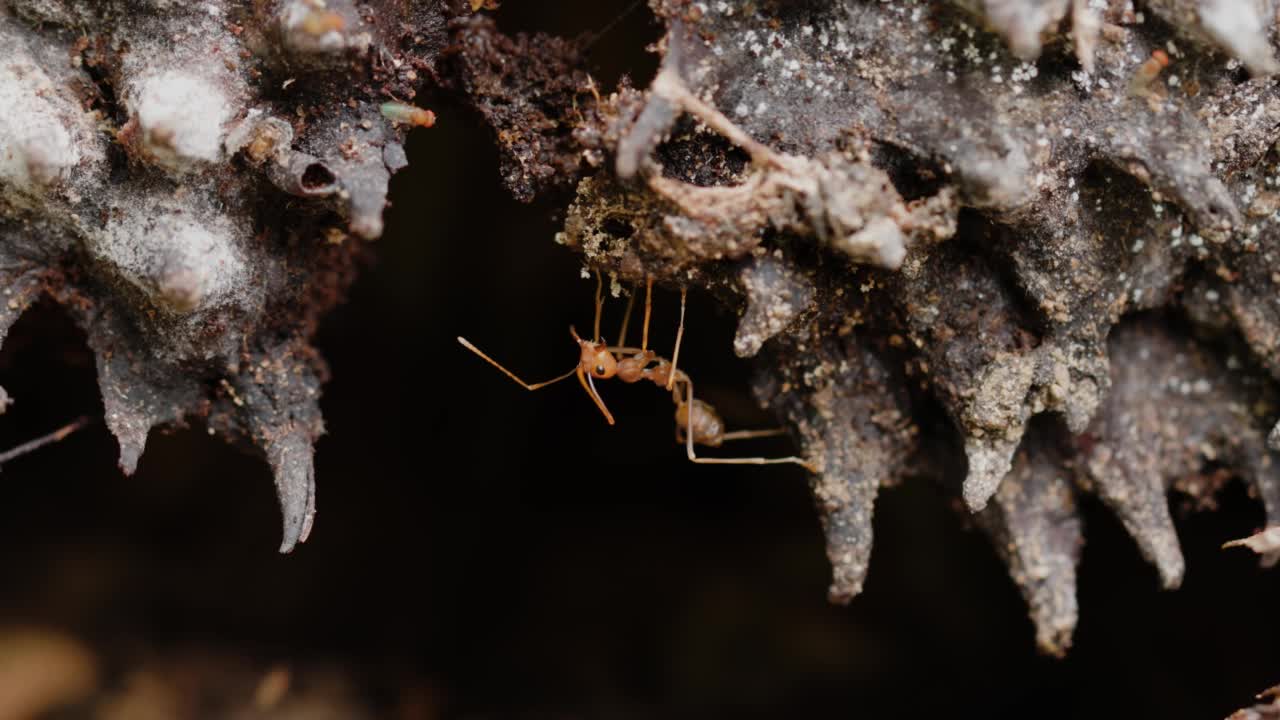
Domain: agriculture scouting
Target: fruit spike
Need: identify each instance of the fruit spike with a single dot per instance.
(158, 158)
(1084, 300)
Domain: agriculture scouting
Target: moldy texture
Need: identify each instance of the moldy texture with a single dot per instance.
(1026, 247)
(1029, 240)
(193, 182)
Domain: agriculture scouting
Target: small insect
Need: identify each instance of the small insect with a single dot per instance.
(408, 114)
(1147, 72)
(696, 421)
(322, 22)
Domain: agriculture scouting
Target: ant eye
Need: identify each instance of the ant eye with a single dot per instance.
(599, 369)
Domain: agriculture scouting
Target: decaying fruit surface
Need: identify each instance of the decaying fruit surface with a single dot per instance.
(1050, 259)
(1034, 240)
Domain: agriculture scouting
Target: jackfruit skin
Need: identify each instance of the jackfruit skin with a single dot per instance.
(193, 183)
(1045, 256)
(1026, 247)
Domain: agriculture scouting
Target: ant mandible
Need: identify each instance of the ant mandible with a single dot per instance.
(696, 421)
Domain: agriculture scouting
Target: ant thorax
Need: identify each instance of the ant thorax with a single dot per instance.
(634, 368)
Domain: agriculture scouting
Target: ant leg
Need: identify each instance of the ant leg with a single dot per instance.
(648, 308)
(599, 305)
(693, 457)
(611, 348)
(749, 434)
(624, 349)
(43, 440)
(467, 344)
(626, 320)
(675, 356)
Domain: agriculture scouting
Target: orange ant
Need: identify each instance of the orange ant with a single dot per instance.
(696, 421)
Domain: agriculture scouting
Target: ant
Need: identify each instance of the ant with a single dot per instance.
(696, 421)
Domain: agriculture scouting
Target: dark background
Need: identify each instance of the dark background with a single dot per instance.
(508, 554)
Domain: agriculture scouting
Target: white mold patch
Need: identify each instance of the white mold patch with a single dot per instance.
(181, 262)
(180, 118)
(37, 146)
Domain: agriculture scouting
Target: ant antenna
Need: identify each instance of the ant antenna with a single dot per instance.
(43, 440)
(467, 344)
(675, 356)
(599, 306)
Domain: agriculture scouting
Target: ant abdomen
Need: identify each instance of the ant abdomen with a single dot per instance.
(706, 425)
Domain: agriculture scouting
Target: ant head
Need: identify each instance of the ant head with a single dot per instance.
(595, 360)
(598, 361)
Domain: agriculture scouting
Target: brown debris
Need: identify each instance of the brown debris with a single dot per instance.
(532, 92)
